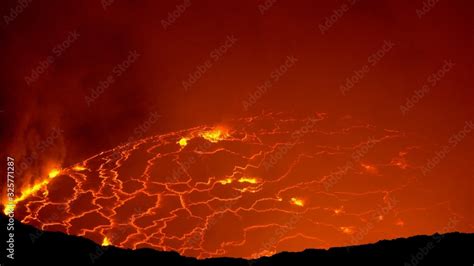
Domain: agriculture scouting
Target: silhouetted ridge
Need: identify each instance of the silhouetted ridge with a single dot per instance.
(36, 247)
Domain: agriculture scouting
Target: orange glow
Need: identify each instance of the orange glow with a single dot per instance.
(8, 208)
(106, 242)
(250, 180)
(79, 168)
(53, 173)
(183, 142)
(347, 230)
(31, 190)
(245, 185)
(297, 202)
(369, 168)
(400, 222)
(246, 189)
(225, 181)
(214, 135)
(25, 193)
(338, 211)
(400, 162)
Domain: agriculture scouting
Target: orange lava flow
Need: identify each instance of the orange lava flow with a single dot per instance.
(260, 185)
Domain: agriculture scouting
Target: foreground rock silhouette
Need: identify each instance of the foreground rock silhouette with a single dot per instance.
(36, 247)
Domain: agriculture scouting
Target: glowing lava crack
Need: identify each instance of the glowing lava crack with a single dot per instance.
(254, 187)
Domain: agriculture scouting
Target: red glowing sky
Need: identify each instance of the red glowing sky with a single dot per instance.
(389, 50)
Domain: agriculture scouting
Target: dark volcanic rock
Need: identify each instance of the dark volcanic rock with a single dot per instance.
(36, 247)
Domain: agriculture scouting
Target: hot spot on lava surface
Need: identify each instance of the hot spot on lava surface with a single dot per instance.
(251, 187)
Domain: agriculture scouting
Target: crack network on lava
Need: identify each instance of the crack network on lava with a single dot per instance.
(254, 187)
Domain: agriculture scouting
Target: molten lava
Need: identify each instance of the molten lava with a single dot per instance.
(250, 180)
(297, 202)
(25, 193)
(214, 135)
(106, 242)
(264, 184)
(53, 173)
(78, 168)
(183, 142)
